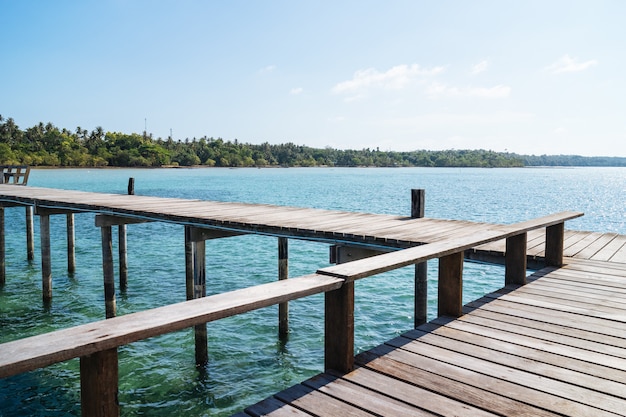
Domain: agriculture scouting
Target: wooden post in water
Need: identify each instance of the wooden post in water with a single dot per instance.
(71, 247)
(30, 234)
(283, 273)
(108, 270)
(123, 256)
(195, 274)
(99, 384)
(554, 244)
(46, 261)
(2, 250)
(131, 186)
(515, 260)
(418, 202)
(450, 288)
(199, 280)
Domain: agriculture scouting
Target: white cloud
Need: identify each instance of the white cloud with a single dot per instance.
(480, 67)
(560, 130)
(269, 68)
(296, 90)
(395, 78)
(569, 64)
(436, 90)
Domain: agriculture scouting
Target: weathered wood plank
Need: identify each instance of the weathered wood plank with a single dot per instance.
(42, 350)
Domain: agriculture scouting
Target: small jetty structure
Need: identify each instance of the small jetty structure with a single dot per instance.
(552, 343)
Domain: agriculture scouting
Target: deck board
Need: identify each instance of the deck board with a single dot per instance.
(556, 346)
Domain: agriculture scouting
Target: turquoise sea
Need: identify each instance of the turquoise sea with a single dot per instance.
(248, 362)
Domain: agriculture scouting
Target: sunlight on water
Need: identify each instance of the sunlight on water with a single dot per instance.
(247, 360)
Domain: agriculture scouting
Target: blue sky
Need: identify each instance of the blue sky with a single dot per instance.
(533, 77)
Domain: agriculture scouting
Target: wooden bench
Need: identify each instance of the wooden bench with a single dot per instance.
(14, 174)
(96, 343)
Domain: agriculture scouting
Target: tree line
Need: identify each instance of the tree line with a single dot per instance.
(48, 145)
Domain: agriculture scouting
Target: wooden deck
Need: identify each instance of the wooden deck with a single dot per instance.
(554, 347)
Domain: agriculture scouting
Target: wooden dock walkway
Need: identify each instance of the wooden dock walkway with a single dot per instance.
(554, 347)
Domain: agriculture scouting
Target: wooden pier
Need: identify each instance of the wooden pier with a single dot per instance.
(545, 345)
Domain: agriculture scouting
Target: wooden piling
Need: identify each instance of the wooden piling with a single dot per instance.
(188, 263)
(418, 202)
(450, 288)
(2, 249)
(283, 273)
(515, 260)
(46, 261)
(99, 384)
(199, 279)
(30, 234)
(123, 256)
(108, 270)
(71, 247)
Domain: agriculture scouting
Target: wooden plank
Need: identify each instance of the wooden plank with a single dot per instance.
(372, 401)
(532, 342)
(272, 407)
(410, 394)
(513, 356)
(515, 372)
(42, 350)
(482, 379)
(319, 404)
(401, 366)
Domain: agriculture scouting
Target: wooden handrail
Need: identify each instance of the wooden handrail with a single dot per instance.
(45, 349)
(392, 260)
(19, 174)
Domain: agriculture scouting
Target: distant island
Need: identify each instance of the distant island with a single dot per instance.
(47, 145)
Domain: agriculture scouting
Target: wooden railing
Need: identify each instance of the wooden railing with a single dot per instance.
(96, 343)
(14, 174)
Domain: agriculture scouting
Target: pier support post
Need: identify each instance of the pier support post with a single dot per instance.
(71, 247)
(2, 249)
(418, 202)
(46, 261)
(99, 384)
(450, 288)
(195, 273)
(554, 244)
(108, 270)
(30, 234)
(515, 260)
(199, 281)
(123, 256)
(283, 273)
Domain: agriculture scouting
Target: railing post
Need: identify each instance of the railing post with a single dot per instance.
(108, 270)
(46, 267)
(30, 234)
(515, 260)
(339, 328)
(71, 251)
(283, 273)
(450, 288)
(99, 384)
(418, 201)
(554, 244)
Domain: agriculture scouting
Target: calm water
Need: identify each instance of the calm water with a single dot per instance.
(247, 361)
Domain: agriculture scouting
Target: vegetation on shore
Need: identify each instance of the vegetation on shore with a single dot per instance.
(47, 145)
